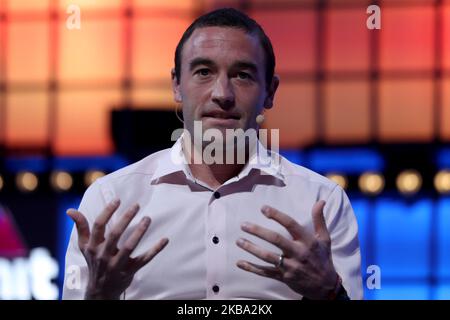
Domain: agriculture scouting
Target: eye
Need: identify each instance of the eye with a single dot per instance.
(244, 76)
(203, 72)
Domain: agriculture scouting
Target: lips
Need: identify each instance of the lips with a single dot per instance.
(221, 115)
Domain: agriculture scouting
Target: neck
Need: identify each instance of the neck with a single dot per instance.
(215, 174)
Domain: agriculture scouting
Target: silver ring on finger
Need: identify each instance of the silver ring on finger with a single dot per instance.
(280, 261)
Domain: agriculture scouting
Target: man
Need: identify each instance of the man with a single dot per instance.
(220, 230)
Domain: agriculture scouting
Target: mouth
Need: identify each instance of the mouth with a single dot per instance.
(221, 115)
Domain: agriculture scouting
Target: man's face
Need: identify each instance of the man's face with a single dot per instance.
(222, 80)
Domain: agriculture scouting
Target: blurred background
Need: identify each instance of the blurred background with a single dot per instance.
(368, 108)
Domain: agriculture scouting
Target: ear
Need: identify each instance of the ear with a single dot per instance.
(268, 103)
(176, 87)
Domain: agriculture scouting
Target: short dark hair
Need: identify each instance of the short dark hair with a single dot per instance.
(229, 17)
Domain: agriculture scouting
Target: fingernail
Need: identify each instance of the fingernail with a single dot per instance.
(69, 212)
(265, 209)
(115, 202)
(163, 242)
(245, 225)
(240, 241)
(146, 220)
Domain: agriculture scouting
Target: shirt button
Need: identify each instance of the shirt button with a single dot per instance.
(215, 240)
(216, 195)
(215, 288)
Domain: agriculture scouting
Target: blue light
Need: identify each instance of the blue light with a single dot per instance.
(35, 164)
(401, 291)
(294, 156)
(40, 163)
(442, 292)
(443, 158)
(402, 237)
(345, 160)
(65, 225)
(443, 225)
(107, 163)
(362, 209)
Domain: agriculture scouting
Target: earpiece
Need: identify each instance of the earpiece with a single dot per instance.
(260, 119)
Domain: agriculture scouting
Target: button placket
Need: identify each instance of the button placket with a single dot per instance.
(215, 250)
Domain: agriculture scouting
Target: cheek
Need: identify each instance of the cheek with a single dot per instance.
(192, 101)
(251, 102)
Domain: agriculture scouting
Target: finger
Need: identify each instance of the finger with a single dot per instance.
(82, 226)
(269, 272)
(296, 230)
(117, 231)
(271, 236)
(257, 251)
(145, 258)
(320, 226)
(98, 230)
(132, 241)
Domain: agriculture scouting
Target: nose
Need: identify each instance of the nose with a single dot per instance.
(222, 93)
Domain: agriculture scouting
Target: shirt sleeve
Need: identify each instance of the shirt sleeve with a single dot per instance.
(343, 228)
(76, 270)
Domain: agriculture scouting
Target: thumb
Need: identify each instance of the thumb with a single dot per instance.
(320, 226)
(81, 225)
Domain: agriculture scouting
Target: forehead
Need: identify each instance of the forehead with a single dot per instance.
(223, 43)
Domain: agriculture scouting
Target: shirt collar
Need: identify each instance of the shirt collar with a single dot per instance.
(172, 161)
(266, 161)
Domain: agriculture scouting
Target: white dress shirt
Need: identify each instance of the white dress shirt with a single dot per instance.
(191, 214)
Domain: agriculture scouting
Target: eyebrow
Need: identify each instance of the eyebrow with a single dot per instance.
(200, 61)
(246, 65)
(242, 64)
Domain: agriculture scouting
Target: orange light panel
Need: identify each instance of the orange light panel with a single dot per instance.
(84, 122)
(406, 110)
(293, 35)
(347, 111)
(93, 53)
(153, 50)
(27, 52)
(348, 41)
(293, 114)
(407, 38)
(27, 119)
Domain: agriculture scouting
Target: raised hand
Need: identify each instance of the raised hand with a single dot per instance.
(111, 269)
(305, 262)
